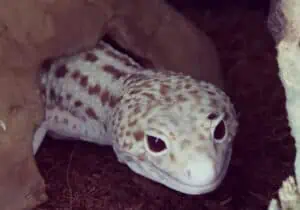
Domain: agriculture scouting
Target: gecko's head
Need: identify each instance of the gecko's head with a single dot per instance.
(177, 132)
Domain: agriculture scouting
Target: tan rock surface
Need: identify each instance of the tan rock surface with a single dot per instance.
(32, 30)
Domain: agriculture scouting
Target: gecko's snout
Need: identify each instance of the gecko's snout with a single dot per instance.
(200, 172)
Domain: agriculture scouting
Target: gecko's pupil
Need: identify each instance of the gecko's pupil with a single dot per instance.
(156, 144)
(220, 130)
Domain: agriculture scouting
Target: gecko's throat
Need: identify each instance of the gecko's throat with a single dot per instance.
(206, 180)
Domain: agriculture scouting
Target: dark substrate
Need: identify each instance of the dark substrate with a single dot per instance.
(84, 176)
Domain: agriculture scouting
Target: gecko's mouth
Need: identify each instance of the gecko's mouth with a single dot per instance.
(178, 185)
(156, 174)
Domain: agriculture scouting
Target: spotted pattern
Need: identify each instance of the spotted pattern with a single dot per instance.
(91, 57)
(113, 71)
(61, 71)
(102, 92)
(94, 90)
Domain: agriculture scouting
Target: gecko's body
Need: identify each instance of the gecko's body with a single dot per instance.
(165, 126)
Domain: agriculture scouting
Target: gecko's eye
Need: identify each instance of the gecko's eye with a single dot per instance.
(219, 132)
(155, 145)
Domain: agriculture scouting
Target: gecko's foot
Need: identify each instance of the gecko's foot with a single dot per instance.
(289, 196)
(273, 205)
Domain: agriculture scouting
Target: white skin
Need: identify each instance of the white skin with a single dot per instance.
(165, 126)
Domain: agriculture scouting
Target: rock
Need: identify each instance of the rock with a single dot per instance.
(33, 30)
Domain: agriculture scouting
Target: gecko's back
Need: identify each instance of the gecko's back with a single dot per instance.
(81, 91)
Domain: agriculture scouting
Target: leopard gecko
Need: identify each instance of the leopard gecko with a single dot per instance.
(165, 126)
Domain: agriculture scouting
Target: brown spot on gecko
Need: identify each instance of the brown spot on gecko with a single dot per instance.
(91, 113)
(61, 71)
(187, 86)
(121, 135)
(141, 157)
(150, 96)
(201, 137)
(181, 98)
(124, 144)
(132, 123)
(179, 86)
(50, 106)
(133, 92)
(113, 101)
(130, 106)
(104, 97)
(112, 54)
(138, 135)
(196, 95)
(226, 115)
(84, 81)
(59, 100)
(78, 103)
(137, 110)
(126, 101)
(214, 103)
(116, 73)
(94, 90)
(52, 94)
(202, 110)
(211, 92)
(147, 84)
(128, 133)
(151, 120)
(60, 107)
(172, 136)
(156, 80)
(172, 157)
(164, 89)
(168, 99)
(75, 75)
(68, 96)
(194, 92)
(120, 116)
(113, 123)
(66, 121)
(89, 56)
